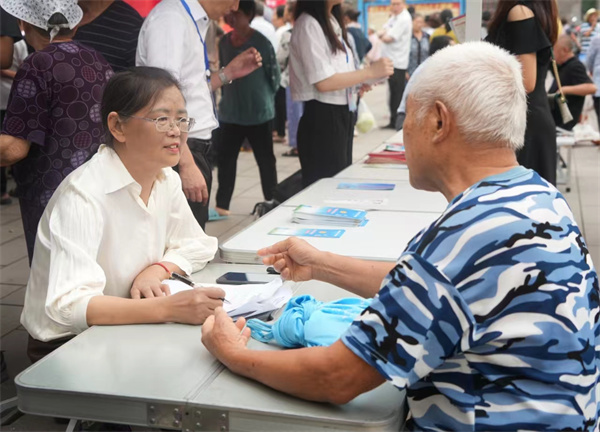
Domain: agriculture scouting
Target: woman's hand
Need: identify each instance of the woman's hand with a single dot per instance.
(244, 64)
(193, 306)
(223, 338)
(293, 258)
(364, 89)
(382, 68)
(149, 284)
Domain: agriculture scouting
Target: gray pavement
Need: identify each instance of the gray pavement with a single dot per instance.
(584, 199)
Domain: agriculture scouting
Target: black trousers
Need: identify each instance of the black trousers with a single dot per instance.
(397, 84)
(231, 138)
(325, 135)
(200, 149)
(597, 108)
(280, 112)
(3, 181)
(37, 350)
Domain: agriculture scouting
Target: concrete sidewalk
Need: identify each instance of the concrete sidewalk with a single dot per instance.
(584, 199)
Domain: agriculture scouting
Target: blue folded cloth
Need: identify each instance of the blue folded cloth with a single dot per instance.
(307, 322)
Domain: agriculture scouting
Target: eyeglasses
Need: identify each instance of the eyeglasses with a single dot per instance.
(165, 124)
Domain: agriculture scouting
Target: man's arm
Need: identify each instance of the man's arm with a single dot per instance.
(12, 150)
(580, 89)
(578, 82)
(360, 277)
(296, 260)
(6, 50)
(309, 373)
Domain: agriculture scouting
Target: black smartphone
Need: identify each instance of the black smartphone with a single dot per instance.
(235, 278)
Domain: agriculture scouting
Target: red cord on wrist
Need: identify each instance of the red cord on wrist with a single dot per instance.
(163, 266)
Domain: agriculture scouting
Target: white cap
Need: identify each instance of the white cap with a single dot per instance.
(38, 12)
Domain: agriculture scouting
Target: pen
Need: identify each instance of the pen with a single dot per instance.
(191, 283)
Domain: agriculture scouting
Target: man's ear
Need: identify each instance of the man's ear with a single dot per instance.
(443, 122)
(115, 126)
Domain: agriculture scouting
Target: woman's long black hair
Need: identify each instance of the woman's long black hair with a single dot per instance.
(545, 12)
(318, 10)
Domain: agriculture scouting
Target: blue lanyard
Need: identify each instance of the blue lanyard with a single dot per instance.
(206, 62)
(345, 49)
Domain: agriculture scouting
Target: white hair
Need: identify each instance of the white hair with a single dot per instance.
(482, 85)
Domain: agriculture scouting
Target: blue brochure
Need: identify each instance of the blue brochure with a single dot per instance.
(308, 232)
(367, 186)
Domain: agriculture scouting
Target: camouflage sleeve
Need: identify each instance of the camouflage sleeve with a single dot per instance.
(417, 320)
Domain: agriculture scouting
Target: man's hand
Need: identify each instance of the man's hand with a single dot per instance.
(244, 64)
(149, 284)
(194, 306)
(295, 259)
(194, 185)
(223, 338)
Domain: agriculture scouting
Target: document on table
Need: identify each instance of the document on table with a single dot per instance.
(245, 300)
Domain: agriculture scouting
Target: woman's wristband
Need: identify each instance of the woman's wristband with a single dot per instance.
(163, 266)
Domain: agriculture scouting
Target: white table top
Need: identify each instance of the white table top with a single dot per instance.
(162, 372)
(382, 239)
(374, 172)
(403, 198)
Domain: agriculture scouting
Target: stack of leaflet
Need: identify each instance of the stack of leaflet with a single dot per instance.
(329, 216)
(392, 154)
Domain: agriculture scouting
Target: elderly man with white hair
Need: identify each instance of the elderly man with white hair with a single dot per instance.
(489, 319)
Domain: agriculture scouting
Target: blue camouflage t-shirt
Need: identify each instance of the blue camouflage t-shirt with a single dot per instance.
(490, 317)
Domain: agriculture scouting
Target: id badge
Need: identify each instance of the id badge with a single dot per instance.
(351, 99)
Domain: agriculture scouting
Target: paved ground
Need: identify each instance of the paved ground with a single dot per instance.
(584, 199)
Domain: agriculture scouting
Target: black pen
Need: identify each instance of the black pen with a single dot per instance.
(190, 282)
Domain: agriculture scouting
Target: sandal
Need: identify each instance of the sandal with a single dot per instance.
(291, 153)
(214, 215)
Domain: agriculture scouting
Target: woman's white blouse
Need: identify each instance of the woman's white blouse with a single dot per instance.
(312, 61)
(97, 235)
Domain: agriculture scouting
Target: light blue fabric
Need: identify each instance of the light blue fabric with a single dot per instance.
(307, 322)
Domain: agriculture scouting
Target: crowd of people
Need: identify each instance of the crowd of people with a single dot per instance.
(112, 137)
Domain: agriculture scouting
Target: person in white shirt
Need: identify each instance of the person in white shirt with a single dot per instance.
(173, 37)
(396, 37)
(119, 225)
(323, 75)
(260, 24)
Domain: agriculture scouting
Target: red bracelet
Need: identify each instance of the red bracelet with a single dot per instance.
(163, 266)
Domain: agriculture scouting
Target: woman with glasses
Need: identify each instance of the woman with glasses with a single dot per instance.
(120, 224)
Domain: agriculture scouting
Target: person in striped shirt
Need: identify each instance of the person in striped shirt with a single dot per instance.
(112, 28)
(490, 318)
(588, 30)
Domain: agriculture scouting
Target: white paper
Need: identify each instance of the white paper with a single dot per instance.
(245, 300)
